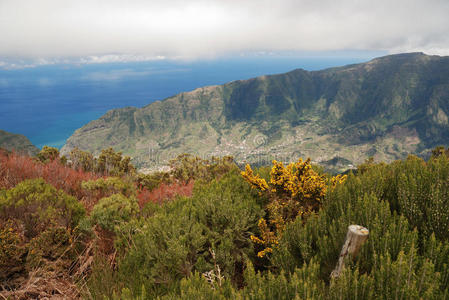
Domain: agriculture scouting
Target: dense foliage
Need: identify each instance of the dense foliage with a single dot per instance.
(293, 191)
(108, 163)
(107, 238)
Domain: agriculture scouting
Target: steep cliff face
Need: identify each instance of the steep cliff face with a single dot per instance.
(17, 142)
(385, 108)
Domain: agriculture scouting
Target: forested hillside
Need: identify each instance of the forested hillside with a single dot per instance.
(388, 108)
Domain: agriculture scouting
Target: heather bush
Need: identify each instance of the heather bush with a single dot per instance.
(180, 238)
(12, 250)
(112, 163)
(48, 154)
(187, 167)
(423, 195)
(38, 205)
(199, 247)
(302, 284)
(55, 243)
(440, 150)
(114, 210)
(108, 163)
(402, 257)
(82, 160)
(38, 232)
(437, 252)
(414, 188)
(152, 180)
(109, 186)
(388, 262)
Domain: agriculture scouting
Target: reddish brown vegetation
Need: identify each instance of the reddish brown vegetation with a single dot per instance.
(165, 192)
(15, 168)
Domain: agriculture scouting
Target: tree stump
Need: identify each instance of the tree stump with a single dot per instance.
(355, 238)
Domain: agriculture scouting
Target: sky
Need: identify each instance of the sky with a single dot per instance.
(132, 30)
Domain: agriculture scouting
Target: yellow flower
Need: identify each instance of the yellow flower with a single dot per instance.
(293, 190)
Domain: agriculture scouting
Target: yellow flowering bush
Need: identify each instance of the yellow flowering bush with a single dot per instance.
(254, 180)
(293, 190)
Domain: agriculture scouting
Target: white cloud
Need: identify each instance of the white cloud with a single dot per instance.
(115, 75)
(114, 58)
(199, 28)
(15, 63)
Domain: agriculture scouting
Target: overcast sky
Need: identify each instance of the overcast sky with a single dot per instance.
(210, 28)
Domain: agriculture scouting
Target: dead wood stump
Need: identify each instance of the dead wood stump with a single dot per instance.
(355, 237)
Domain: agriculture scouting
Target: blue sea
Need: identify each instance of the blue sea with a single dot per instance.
(48, 103)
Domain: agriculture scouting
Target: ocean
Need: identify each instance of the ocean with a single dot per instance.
(48, 103)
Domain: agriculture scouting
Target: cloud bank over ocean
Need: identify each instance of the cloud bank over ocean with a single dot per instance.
(144, 30)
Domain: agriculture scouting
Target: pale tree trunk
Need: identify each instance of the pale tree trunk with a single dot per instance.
(355, 238)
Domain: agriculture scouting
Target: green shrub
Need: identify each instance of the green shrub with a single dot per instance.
(165, 250)
(196, 287)
(397, 261)
(180, 237)
(404, 205)
(186, 167)
(53, 244)
(302, 284)
(12, 251)
(82, 160)
(103, 281)
(352, 285)
(423, 195)
(109, 162)
(200, 247)
(323, 235)
(40, 232)
(112, 211)
(414, 188)
(48, 154)
(38, 205)
(438, 253)
(440, 150)
(152, 180)
(109, 186)
(112, 163)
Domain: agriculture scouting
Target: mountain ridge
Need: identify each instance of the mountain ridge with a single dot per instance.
(17, 142)
(385, 107)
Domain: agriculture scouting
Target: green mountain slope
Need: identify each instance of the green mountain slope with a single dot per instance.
(17, 142)
(385, 108)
